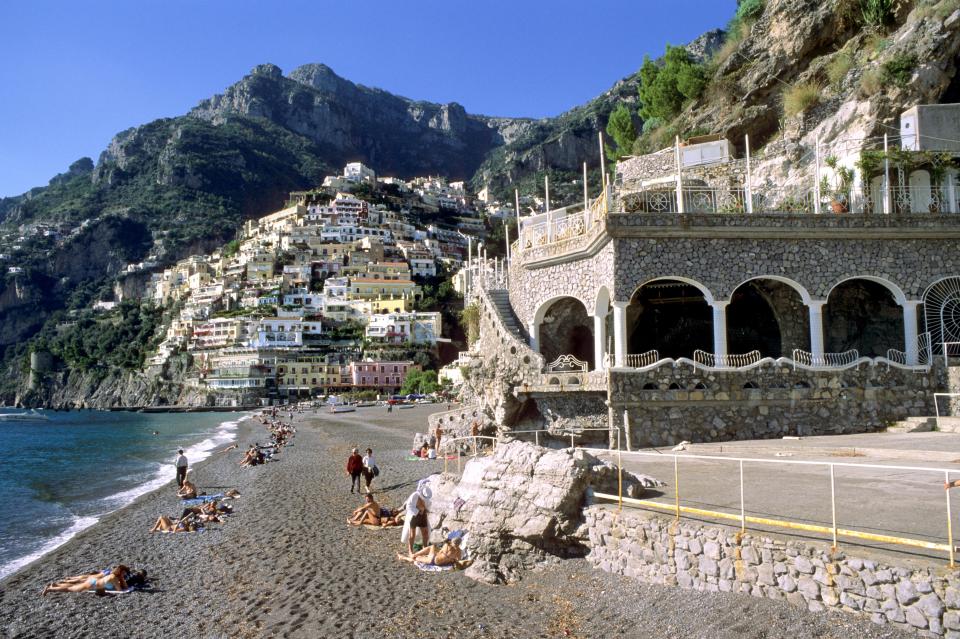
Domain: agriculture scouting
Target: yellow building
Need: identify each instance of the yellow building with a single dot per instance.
(367, 288)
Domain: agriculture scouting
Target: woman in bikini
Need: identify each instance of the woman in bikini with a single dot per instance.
(106, 581)
(166, 524)
(438, 555)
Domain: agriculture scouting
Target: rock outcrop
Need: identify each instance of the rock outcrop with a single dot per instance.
(522, 505)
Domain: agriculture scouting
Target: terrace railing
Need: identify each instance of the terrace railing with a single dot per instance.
(566, 364)
(712, 360)
(924, 352)
(807, 359)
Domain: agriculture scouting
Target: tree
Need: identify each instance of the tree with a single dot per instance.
(620, 127)
(664, 88)
(421, 382)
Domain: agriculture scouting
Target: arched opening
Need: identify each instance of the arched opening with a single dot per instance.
(862, 314)
(671, 317)
(767, 315)
(566, 329)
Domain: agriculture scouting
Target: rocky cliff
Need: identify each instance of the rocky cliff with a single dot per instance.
(857, 79)
(351, 122)
(522, 506)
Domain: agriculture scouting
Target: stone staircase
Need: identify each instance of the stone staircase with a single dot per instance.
(926, 425)
(501, 302)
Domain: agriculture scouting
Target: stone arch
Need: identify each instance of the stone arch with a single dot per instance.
(671, 315)
(564, 327)
(768, 314)
(545, 306)
(898, 295)
(707, 294)
(795, 285)
(864, 313)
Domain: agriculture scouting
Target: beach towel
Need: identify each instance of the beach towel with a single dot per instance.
(114, 592)
(202, 499)
(433, 567)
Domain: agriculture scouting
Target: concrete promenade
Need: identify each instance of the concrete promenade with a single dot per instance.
(902, 503)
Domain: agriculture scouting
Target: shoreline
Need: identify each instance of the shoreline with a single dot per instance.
(285, 564)
(243, 421)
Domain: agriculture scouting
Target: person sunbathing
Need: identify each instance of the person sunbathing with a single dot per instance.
(188, 490)
(165, 524)
(437, 555)
(390, 517)
(112, 580)
(368, 513)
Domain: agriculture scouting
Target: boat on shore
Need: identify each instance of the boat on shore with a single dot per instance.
(30, 416)
(342, 408)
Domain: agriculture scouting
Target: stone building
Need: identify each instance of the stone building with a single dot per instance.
(718, 323)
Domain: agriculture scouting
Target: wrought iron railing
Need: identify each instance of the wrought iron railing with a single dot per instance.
(738, 360)
(924, 352)
(918, 199)
(642, 360)
(566, 364)
(826, 360)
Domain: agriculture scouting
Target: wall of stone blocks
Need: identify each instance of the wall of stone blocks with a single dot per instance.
(658, 550)
(671, 404)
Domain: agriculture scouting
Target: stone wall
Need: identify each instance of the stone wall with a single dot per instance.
(582, 279)
(722, 264)
(506, 362)
(670, 404)
(657, 550)
(658, 166)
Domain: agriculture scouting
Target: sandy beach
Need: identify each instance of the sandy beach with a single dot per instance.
(286, 565)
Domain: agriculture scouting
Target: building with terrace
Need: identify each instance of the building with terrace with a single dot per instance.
(712, 322)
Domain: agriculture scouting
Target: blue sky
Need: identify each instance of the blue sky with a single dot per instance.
(75, 73)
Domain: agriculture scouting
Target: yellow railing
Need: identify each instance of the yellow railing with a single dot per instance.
(834, 531)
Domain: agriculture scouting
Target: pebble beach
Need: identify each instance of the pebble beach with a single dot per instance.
(285, 564)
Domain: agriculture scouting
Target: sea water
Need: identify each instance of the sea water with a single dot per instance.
(59, 477)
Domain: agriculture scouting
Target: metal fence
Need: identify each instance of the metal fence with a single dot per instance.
(835, 531)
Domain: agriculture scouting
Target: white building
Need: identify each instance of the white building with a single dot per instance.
(358, 172)
(281, 332)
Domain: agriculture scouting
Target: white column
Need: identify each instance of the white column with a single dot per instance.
(620, 333)
(950, 181)
(534, 329)
(911, 348)
(720, 328)
(816, 326)
(599, 339)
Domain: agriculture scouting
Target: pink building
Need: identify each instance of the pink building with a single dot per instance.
(385, 376)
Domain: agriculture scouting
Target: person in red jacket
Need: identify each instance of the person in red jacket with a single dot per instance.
(354, 469)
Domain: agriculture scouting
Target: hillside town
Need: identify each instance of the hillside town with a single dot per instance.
(324, 296)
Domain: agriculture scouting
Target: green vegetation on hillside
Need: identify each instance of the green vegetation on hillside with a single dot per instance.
(120, 339)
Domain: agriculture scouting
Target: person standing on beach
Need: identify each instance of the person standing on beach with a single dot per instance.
(182, 466)
(370, 469)
(417, 508)
(354, 468)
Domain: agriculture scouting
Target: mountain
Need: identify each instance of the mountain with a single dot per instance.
(561, 144)
(183, 185)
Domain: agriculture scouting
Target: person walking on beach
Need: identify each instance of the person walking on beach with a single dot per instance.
(370, 469)
(354, 468)
(182, 466)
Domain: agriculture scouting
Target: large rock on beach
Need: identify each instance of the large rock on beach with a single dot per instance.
(523, 505)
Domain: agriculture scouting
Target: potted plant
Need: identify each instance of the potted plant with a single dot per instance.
(843, 180)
